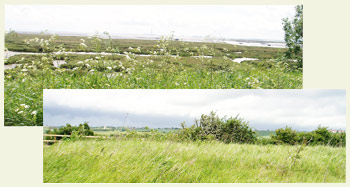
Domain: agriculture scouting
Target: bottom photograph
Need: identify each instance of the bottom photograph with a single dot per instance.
(194, 136)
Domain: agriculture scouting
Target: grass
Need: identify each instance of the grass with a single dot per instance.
(148, 161)
(186, 69)
(23, 104)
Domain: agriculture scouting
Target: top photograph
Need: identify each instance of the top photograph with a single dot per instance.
(155, 46)
(147, 47)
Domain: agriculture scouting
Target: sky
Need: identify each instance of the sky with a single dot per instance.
(302, 110)
(220, 21)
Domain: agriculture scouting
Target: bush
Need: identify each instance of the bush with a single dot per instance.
(191, 133)
(305, 138)
(237, 130)
(320, 136)
(338, 139)
(285, 136)
(212, 127)
(81, 130)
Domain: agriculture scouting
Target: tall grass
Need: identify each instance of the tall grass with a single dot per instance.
(148, 161)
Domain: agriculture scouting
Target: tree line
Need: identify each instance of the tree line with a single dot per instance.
(211, 127)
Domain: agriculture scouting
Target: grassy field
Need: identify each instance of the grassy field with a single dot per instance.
(173, 65)
(259, 133)
(72, 43)
(149, 161)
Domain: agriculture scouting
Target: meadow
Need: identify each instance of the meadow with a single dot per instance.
(213, 150)
(152, 161)
(104, 63)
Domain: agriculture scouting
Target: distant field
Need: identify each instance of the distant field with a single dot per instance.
(71, 43)
(264, 134)
(147, 161)
(117, 131)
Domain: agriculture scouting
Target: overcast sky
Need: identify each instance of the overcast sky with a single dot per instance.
(264, 109)
(227, 21)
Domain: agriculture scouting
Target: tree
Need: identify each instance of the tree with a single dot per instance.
(293, 37)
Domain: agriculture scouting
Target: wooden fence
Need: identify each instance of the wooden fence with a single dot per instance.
(63, 136)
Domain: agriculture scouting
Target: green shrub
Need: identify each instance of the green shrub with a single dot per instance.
(285, 136)
(237, 130)
(81, 130)
(338, 139)
(320, 136)
(212, 127)
(210, 124)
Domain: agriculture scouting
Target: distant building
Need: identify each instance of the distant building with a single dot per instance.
(336, 131)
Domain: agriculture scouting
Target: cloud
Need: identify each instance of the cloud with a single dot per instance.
(303, 109)
(230, 21)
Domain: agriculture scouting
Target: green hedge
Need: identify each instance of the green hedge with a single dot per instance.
(320, 136)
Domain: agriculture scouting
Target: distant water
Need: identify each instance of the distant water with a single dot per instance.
(258, 44)
(245, 42)
(241, 42)
(254, 43)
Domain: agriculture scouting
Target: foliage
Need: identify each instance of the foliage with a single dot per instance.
(81, 130)
(211, 127)
(286, 135)
(293, 37)
(320, 136)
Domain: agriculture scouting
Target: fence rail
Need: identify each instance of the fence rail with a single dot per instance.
(59, 135)
(65, 136)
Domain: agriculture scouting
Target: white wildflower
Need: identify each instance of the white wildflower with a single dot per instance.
(83, 45)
